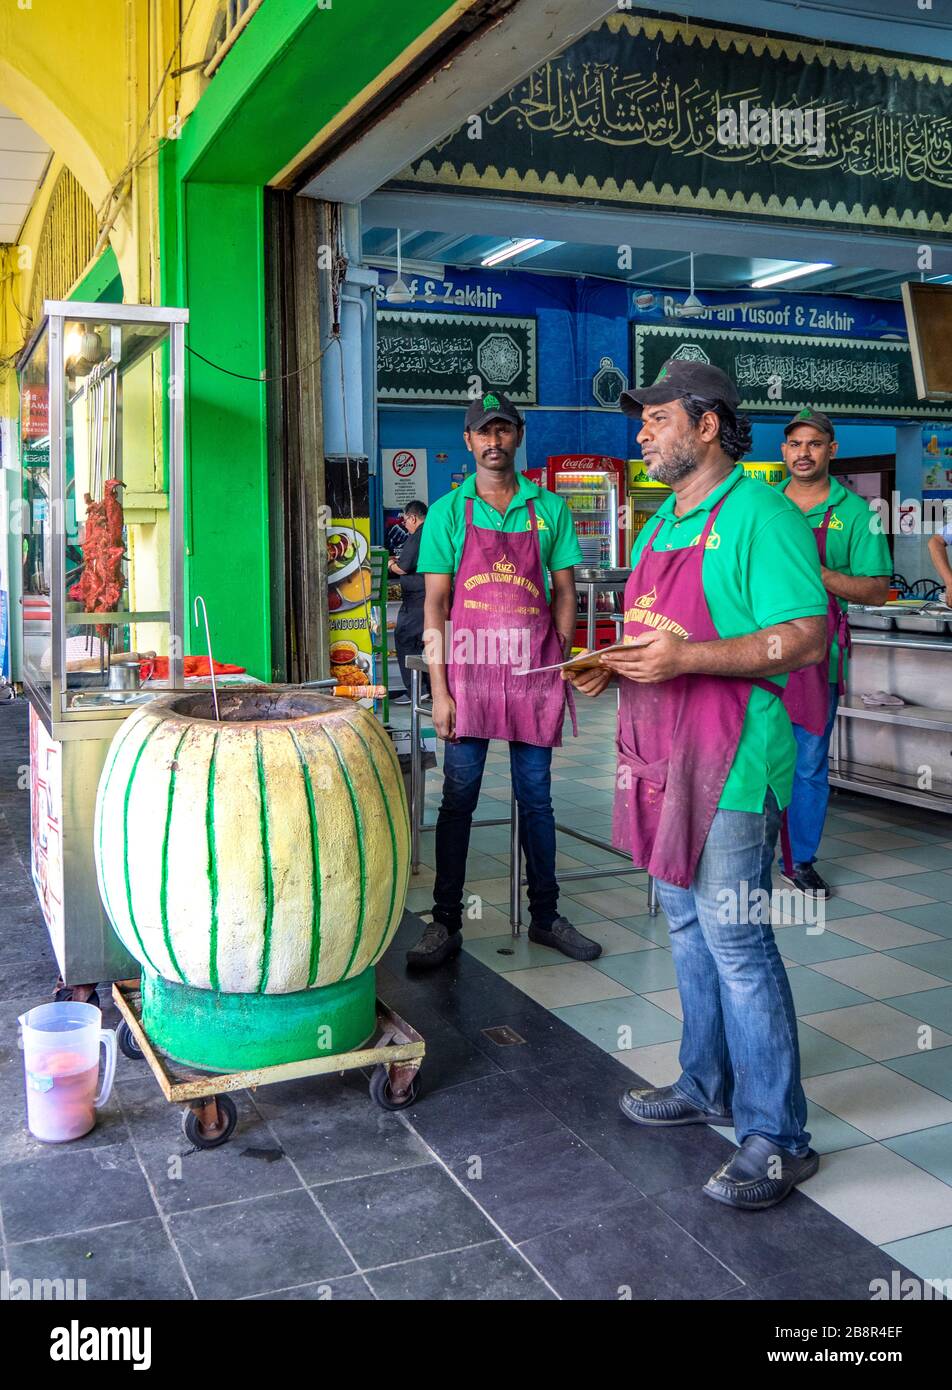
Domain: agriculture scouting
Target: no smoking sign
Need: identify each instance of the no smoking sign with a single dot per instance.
(404, 477)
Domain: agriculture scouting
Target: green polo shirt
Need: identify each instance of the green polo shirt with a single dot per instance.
(445, 529)
(854, 543)
(760, 567)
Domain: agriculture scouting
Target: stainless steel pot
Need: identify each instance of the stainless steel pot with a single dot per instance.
(124, 671)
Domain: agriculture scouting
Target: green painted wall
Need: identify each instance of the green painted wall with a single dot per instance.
(296, 66)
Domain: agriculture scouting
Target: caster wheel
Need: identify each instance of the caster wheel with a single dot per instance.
(381, 1093)
(66, 994)
(126, 1042)
(196, 1133)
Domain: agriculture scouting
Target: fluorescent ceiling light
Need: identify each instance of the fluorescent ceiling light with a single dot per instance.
(514, 248)
(794, 274)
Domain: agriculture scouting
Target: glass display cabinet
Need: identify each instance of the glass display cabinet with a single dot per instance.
(101, 425)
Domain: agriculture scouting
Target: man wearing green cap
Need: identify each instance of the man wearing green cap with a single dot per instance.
(855, 565)
(498, 554)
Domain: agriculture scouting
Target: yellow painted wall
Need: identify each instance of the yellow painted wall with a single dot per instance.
(85, 78)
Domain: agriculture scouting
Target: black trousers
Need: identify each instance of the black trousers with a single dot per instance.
(408, 640)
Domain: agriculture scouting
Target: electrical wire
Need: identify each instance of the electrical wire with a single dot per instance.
(260, 380)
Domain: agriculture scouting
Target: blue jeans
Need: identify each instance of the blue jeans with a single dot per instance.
(811, 787)
(463, 764)
(739, 1046)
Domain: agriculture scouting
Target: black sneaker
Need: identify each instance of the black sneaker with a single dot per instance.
(759, 1174)
(562, 936)
(806, 878)
(665, 1105)
(437, 945)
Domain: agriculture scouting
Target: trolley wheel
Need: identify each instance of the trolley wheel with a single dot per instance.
(66, 994)
(382, 1093)
(206, 1136)
(126, 1042)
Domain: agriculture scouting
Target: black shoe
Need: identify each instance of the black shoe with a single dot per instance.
(806, 878)
(401, 698)
(746, 1180)
(665, 1105)
(436, 945)
(562, 936)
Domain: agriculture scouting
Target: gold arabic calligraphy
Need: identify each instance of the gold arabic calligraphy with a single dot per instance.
(600, 102)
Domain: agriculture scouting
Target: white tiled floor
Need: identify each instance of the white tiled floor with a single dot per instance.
(875, 1024)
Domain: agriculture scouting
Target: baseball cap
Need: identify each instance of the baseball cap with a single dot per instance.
(682, 378)
(492, 405)
(809, 416)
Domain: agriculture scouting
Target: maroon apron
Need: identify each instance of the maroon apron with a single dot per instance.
(677, 738)
(498, 592)
(807, 693)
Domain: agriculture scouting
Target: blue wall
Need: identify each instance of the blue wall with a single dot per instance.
(578, 322)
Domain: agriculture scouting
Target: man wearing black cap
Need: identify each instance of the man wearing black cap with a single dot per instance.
(855, 565)
(724, 598)
(498, 555)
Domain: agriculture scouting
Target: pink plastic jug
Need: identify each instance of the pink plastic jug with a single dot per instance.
(61, 1045)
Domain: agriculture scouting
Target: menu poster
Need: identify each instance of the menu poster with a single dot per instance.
(349, 578)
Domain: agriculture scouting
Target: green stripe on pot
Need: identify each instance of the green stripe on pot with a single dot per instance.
(125, 840)
(233, 1032)
(393, 846)
(268, 872)
(212, 869)
(359, 930)
(164, 885)
(315, 959)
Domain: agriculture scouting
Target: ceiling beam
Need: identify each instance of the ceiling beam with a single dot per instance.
(499, 217)
(496, 59)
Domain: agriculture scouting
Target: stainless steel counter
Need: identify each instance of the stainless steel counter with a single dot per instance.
(903, 754)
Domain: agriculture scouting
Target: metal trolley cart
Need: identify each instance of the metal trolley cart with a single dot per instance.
(395, 1052)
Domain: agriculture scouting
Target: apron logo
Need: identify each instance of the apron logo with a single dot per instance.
(504, 566)
(713, 541)
(646, 600)
(835, 523)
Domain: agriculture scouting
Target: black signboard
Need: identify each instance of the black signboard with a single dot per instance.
(452, 358)
(784, 371)
(660, 113)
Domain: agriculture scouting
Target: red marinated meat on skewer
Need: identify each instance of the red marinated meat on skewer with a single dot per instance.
(99, 587)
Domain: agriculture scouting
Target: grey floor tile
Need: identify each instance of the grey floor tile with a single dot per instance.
(478, 1117)
(73, 1191)
(351, 1288)
(489, 1273)
(634, 1250)
(933, 1006)
(129, 1262)
(400, 1216)
(251, 1246)
(251, 1164)
(330, 1128)
(538, 1186)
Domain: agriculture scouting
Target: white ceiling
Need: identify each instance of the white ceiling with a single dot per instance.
(23, 158)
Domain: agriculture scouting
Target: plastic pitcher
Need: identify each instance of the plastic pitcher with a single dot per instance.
(61, 1045)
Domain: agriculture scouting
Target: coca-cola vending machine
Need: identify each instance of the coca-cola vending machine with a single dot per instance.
(593, 486)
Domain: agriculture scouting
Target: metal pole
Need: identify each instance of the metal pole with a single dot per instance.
(515, 868)
(652, 897)
(590, 617)
(416, 810)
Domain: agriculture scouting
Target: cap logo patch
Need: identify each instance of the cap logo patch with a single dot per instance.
(805, 414)
(662, 374)
(490, 402)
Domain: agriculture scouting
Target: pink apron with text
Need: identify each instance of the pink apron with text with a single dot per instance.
(677, 738)
(807, 693)
(501, 622)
